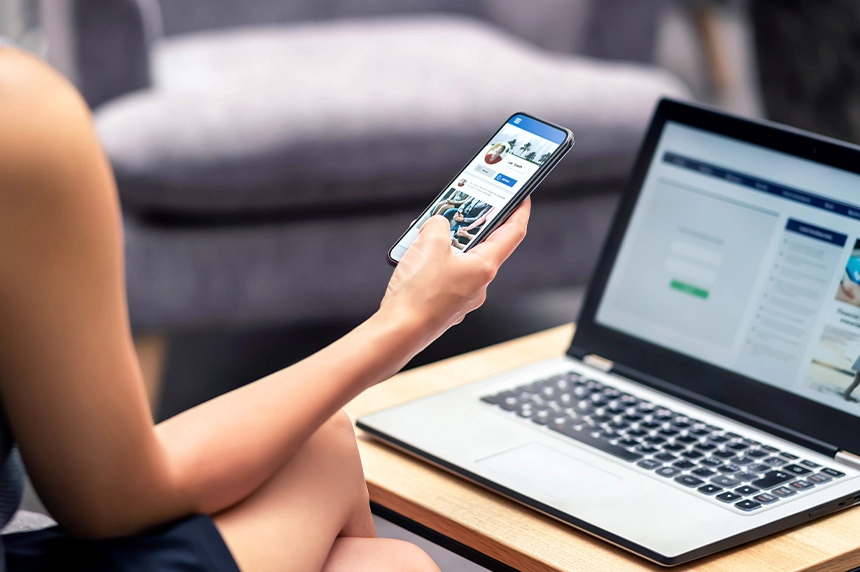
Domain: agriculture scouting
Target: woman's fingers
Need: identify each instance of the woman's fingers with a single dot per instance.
(435, 224)
(504, 240)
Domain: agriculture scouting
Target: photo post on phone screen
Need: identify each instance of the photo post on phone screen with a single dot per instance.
(504, 167)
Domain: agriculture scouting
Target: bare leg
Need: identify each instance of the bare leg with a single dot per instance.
(351, 554)
(314, 514)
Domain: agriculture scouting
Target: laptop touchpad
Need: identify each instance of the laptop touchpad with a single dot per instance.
(548, 471)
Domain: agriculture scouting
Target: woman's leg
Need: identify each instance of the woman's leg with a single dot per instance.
(314, 514)
(351, 554)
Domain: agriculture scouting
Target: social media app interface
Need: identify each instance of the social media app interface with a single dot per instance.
(481, 190)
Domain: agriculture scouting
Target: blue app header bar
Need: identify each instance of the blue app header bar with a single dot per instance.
(816, 232)
(540, 129)
(796, 195)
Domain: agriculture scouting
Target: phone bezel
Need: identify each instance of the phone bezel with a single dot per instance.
(518, 197)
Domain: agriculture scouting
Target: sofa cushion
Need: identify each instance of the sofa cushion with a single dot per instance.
(351, 113)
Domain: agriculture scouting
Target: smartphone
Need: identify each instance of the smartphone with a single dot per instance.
(504, 171)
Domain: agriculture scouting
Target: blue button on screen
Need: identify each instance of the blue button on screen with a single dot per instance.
(506, 180)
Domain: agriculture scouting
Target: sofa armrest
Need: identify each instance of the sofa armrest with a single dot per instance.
(102, 46)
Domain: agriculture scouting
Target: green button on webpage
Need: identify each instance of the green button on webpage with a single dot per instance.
(689, 289)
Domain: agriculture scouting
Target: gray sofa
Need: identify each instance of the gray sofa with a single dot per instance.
(268, 153)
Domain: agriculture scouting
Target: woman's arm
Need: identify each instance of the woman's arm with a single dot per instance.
(68, 373)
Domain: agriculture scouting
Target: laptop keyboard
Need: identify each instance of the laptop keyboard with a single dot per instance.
(736, 471)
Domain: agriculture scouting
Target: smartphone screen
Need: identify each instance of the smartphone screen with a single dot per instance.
(497, 179)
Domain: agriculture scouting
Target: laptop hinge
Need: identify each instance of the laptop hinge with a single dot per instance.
(598, 362)
(847, 458)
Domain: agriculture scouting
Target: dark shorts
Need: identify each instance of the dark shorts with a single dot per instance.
(188, 545)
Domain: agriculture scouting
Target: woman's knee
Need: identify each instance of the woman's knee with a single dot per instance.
(340, 426)
(378, 555)
(337, 437)
(408, 557)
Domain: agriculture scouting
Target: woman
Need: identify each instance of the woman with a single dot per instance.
(270, 470)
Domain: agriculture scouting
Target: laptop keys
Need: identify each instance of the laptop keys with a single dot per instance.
(759, 468)
(747, 505)
(657, 439)
(818, 479)
(728, 496)
(709, 489)
(689, 480)
(801, 485)
(648, 464)
(729, 468)
(599, 444)
(796, 469)
(627, 443)
(772, 479)
(783, 492)
(725, 481)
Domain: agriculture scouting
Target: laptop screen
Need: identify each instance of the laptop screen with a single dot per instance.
(745, 258)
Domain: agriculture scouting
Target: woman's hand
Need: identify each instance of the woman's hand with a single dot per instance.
(435, 287)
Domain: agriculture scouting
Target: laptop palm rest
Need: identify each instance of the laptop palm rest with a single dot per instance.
(541, 468)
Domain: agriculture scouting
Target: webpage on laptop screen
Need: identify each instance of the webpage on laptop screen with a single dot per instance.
(500, 169)
(748, 259)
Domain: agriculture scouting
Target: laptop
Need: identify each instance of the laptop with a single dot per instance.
(706, 398)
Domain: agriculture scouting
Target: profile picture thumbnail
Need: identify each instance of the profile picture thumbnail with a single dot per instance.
(496, 153)
(461, 182)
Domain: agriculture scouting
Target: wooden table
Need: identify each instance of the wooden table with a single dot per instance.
(521, 538)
